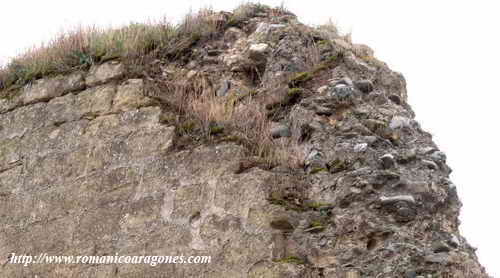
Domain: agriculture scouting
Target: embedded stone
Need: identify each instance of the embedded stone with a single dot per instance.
(427, 150)
(387, 161)
(233, 34)
(360, 147)
(130, 95)
(370, 139)
(430, 164)
(48, 88)
(365, 86)
(454, 241)
(343, 81)
(263, 30)
(397, 198)
(100, 74)
(191, 74)
(322, 110)
(95, 101)
(322, 89)
(281, 224)
(407, 155)
(438, 156)
(258, 52)
(399, 122)
(280, 131)
(342, 91)
(396, 99)
(440, 247)
(438, 258)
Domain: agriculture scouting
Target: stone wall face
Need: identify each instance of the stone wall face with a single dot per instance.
(91, 172)
(88, 167)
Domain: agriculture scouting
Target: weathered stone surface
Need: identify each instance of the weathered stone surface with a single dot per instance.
(365, 86)
(360, 147)
(130, 95)
(263, 31)
(257, 52)
(399, 122)
(96, 101)
(393, 199)
(47, 88)
(387, 161)
(108, 182)
(7, 104)
(100, 74)
(343, 81)
(363, 192)
(232, 34)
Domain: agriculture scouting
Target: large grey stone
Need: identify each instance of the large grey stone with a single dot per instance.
(399, 122)
(387, 161)
(48, 88)
(280, 131)
(397, 198)
(263, 30)
(100, 74)
(360, 147)
(365, 86)
(258, 52)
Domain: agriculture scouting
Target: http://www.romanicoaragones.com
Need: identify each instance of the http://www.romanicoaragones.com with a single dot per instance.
(44, 258)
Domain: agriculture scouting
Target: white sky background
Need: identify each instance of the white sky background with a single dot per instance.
(448, 52)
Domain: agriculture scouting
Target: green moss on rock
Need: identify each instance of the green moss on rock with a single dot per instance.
(214, 130)
(317, 170)
(294, 92)
(300, 78)
(291, 260)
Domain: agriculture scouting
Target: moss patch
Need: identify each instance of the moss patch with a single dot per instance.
(291, 260)
(216, 129)
(315, 227)
(300, 78)
(281, 224)
(294, 92)
(287, 204)
(317, 170)
(338, 165)
(319, 205)
(186, 127)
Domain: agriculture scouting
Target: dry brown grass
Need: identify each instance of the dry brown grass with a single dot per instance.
(328, 30)
(245, 11)
(84, 47)
(240, 115)
(290, 153)
(244, 119)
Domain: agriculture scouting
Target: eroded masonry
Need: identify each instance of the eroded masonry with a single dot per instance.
(276, 148)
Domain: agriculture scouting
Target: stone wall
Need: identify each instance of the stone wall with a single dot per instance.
(88, 167)
(91, 172)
